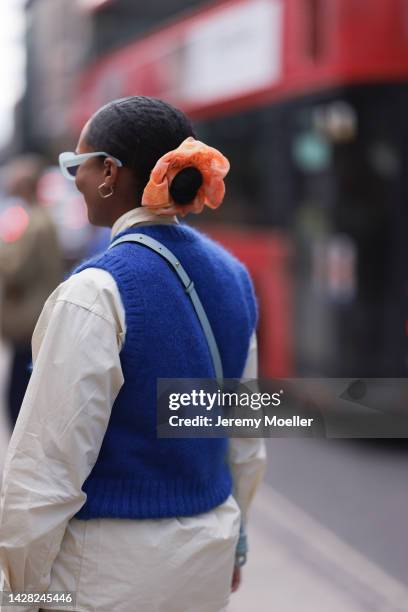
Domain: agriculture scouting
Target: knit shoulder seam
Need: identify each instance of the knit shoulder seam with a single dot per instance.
(113, 265)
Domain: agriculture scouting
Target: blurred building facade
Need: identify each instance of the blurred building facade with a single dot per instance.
(57, 39)
(62, 38)
(117, 22)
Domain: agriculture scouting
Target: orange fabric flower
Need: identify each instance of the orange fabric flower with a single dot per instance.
(209, 161)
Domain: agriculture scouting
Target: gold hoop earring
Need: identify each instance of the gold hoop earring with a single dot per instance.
(106, 195)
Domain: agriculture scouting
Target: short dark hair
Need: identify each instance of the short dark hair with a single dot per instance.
(139, 130)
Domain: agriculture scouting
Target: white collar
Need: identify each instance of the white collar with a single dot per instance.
(140, 215)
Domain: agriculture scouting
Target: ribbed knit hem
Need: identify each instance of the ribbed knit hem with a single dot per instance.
(148, 499)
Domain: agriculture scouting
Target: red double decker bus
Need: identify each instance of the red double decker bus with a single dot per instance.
(308, 99)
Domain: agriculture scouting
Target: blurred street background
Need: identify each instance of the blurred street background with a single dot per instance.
(308, 99)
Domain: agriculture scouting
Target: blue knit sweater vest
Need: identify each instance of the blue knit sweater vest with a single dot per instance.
(138, 475)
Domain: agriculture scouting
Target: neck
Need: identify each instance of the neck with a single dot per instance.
(140, 215)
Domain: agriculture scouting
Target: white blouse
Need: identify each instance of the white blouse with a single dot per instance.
(178, 564)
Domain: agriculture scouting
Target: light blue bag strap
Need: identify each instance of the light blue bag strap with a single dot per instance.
(241, 549)
(159, 248)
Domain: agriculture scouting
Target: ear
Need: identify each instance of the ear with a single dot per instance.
(110, 172)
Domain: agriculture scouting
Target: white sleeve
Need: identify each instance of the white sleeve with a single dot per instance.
(247, 456)
(57, 438)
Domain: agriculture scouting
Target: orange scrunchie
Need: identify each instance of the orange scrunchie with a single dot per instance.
(209, 161)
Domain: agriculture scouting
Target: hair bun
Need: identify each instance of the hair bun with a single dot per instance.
(186, 179)
(185, 185)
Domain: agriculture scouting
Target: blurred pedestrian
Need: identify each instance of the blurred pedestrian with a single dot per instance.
(93, 502)
(30, 268)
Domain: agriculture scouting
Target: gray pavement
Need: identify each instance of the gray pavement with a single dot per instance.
(296, 564)
(328, 530)
(356, 488)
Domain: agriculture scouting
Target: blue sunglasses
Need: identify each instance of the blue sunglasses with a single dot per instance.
(69, 162)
